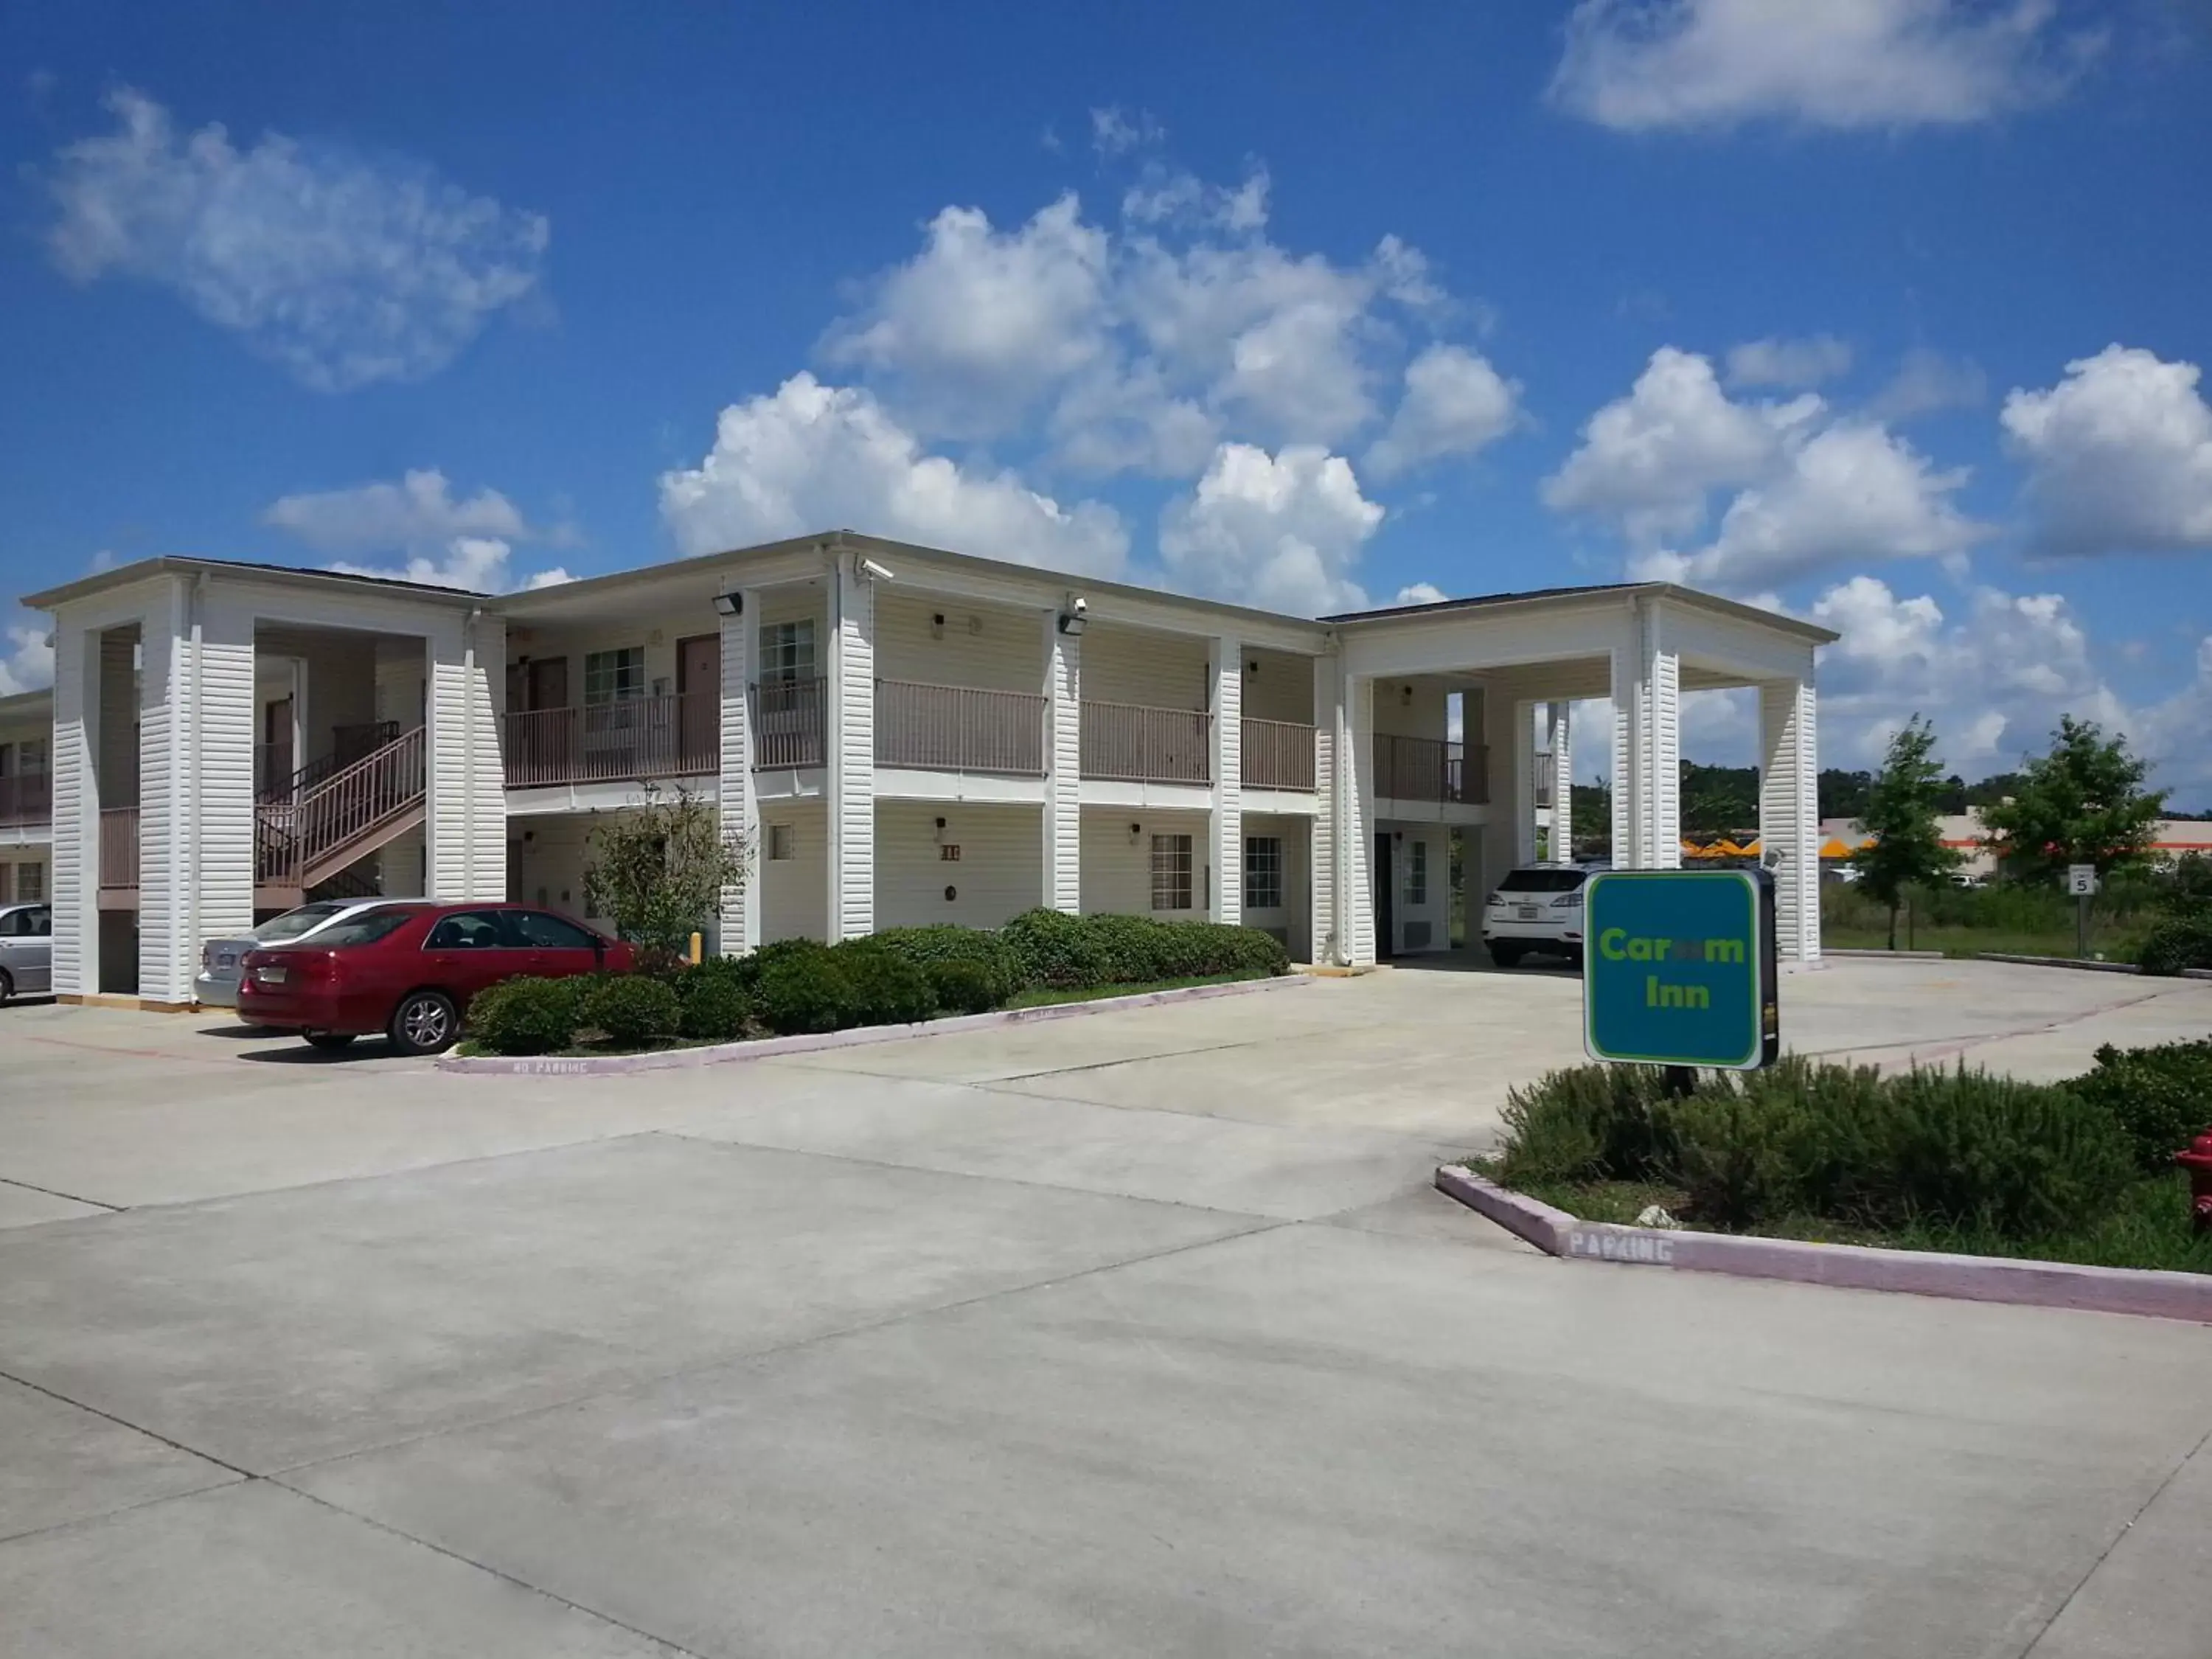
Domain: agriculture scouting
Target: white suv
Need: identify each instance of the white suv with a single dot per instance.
(1537, 908)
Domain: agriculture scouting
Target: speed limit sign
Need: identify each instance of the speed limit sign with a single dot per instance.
(2081, 880)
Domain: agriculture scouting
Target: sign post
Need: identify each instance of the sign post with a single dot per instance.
(1679, 969)
(2082, 882)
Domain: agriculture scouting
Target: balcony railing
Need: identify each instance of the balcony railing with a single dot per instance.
(788, 716)
(674, 737)
(956, 729)
(1136, 745)
(1430, 768)
(27, 797)
(118, 847)
(1278, 754)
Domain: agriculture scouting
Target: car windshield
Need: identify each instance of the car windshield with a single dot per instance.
(366, 928)
(293, 923)
(1542, 881)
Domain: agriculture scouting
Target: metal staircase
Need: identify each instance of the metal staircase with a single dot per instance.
(308, 840)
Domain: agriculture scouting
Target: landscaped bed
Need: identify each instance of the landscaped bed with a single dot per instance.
(903, 977)
(1960, 1161)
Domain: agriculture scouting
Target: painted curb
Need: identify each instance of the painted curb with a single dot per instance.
(1907, 956)
(723, 1053)
(2155, 1292)
(2060, 961)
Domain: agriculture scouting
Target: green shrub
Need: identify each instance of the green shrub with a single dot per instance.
(802, 988)
(740, 972)
(963, 987)
(715, 1010)
(1740, 1156)
(1056, 949)
(2160, 1097)
(990, 953)
(633, 1009)
(526, 1015)
(2022, 1158)
(887, 989)
(1585, 1123)
(2176, 944)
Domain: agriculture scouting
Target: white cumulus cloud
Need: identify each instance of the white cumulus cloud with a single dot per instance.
(419, 507)
(345, 270)
(2119, 456)
(1280, 532)
(479, 564)
(26, 662)
(1795, 364)
(1455, 403)
(1420, 593)
(1926, 382)
(814, 456)
(1649, 461)
(1639, 65)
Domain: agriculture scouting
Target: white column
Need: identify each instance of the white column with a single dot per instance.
(1561, 743)
(1524, 781)
(1226, 825)
(168, 952)
(1789, 813)
(1326, 836)
(73, 876)
(465, 834)
(1063, 768)
(219, 763)
(738, 805)
(1647, 749)
(1355, 767)
(852, 746)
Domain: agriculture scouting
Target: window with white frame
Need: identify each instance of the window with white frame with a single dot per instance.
(1417, 872)
(788, 650)
(778, 842)
(614, 675)
(1263, 873)
(30, 882)
(1171, 871)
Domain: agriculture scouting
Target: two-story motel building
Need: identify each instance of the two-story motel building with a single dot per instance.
(901, 734)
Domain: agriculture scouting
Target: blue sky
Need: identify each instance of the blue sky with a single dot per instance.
(1889, 313)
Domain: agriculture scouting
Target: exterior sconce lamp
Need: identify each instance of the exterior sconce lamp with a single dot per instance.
(1077, 616)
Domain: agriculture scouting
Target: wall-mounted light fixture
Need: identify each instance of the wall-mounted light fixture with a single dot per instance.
(1251, 667)
(1077, 616)
(1136, 833)
(1406, 696)
(730, 605)
(940, 831)
(937, 625)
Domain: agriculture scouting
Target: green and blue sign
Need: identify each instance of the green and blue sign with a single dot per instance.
(1678, 968)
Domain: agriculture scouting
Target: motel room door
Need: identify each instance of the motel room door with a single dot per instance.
(699, 702)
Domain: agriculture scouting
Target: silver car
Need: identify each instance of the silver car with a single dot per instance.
(216, 985)
(26, 949)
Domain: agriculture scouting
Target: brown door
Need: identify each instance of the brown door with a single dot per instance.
(699, 700)
(548, 738)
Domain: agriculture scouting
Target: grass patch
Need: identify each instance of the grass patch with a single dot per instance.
(2147, 1225)
(1046, 997)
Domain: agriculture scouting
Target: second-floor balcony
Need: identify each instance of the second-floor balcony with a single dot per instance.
(27, 797)
(945, 728)
(1431, 769)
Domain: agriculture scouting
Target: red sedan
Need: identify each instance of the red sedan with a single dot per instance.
(409, 970)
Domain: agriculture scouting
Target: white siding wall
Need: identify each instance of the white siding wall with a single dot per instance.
(223, 765)
(400, 670)
(999, 872)
(1428, 716)
(1117, 868)
(793, 892)
(1226, 831)
(1325, 946)
(1788, 812)
(1357, 756)
(1158, 671)
(852, 744)
(75, 884)
(166, 951)
(986, 646)
(467, 822)
(1062, 823)
(739, 915)
(399, 865)
(1279, 686)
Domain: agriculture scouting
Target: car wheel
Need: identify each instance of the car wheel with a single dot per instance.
(1505, 956)
(330, 1040)
(7, 985)
(425, 1023)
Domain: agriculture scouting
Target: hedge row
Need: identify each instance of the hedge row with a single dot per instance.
(897, 977)
(1846, 1144)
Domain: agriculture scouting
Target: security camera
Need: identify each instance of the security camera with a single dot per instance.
(869, 568)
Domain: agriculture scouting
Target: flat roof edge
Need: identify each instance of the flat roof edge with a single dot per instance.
(176, 564)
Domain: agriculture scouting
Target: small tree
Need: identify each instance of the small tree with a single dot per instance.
(1904, 801)
(2083, 803)
(1589, 821)
(659, 872)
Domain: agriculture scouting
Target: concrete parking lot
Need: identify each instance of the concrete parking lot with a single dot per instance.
(1136, 1332)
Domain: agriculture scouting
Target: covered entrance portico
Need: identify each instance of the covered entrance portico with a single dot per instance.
(1516, 658)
